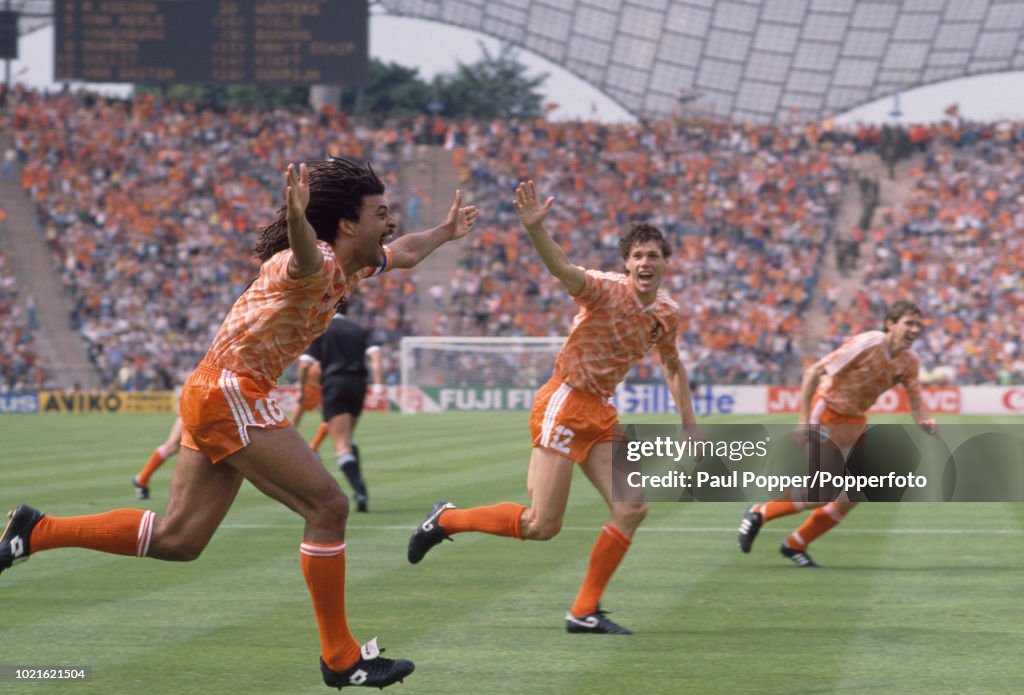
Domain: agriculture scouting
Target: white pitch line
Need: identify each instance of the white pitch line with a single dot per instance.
(694, 529)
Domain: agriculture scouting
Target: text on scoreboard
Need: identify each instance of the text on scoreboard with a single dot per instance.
(212, 41)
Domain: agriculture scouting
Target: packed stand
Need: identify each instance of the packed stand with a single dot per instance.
(151, 209)
(954, 247)
(747, 211)
(20, 366)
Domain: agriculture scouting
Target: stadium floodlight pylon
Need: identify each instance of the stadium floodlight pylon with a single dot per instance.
(470, 362)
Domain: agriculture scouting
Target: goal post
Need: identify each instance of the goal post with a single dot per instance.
(472, 372)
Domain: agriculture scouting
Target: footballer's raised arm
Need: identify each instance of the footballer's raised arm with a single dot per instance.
(407, 251)
(532, 214)
(306, 257)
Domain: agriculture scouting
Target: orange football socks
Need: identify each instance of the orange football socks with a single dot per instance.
(323, 567)
(773, 510)
(500, 519)
(823, 519)
(154, 462)
(318, 438)
(608, 552)
(120, 532)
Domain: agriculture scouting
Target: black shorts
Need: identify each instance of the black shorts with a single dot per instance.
(344, 395)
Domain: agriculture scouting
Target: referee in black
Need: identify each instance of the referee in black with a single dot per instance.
(343, 351)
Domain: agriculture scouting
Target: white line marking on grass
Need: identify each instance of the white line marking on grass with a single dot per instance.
(692, 529)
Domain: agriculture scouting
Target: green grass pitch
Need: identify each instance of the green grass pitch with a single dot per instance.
(913, 598)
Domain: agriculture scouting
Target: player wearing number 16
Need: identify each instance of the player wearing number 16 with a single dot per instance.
(621, 317)
(326, 239)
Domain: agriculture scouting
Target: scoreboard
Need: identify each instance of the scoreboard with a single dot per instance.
(273, 42)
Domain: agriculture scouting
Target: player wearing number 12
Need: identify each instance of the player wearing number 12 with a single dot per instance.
(326, 239)
(621, 317)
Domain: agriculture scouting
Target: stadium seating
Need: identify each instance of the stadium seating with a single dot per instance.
(747, 211)
(20, 366)
(953, 248)
(150, 210)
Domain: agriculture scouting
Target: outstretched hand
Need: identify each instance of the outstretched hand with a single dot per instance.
(461, 219)
(306, 257)
(528, 206)
(297, 193)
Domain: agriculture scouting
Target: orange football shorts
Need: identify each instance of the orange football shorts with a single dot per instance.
(570, 422)
(843, 430)
(312, 395)
(218, 406)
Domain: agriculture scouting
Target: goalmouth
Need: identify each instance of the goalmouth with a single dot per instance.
(490, 369)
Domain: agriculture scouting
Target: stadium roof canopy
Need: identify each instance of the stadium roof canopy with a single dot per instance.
(763, 60)
(34, 13)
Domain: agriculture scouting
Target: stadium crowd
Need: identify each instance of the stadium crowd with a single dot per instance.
(20, 365)
(952, 247)
(148, 209)
(747, 209)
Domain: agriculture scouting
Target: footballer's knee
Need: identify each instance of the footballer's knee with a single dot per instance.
(329, 513)
(176, 547)
(629, 515)
(540, 529)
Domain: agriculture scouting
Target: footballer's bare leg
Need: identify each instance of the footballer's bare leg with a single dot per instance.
(280, 465)
(548, 481)
(201, 494)
(613, 540)
(626, 515)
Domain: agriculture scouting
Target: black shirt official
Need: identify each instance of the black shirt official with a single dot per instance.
(341, 352)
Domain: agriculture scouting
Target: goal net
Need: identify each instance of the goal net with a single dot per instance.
(458, 373)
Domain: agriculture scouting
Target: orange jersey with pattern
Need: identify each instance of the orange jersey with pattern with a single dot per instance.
(277, 316)
(613, 331)
(861, 370)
